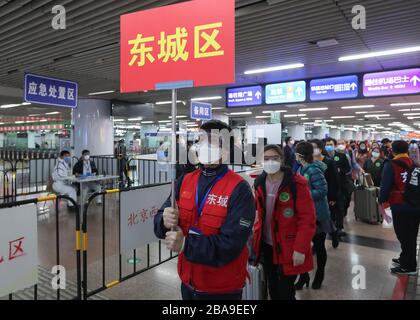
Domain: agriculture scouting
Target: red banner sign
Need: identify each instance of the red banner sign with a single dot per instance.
(190, 41)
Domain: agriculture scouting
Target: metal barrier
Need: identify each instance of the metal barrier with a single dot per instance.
(88, 293)
(27, 154)
(57, 240)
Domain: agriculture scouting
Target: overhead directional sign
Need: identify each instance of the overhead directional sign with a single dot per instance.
(192, 43)
(391, 83)
(285, 92)
(201, 110)
(50, 91)
(334, 88)
(245, 96)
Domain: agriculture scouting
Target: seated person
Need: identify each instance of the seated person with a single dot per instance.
(86, 167)
(59, 175)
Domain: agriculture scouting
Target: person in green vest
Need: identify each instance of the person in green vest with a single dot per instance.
(374, 165)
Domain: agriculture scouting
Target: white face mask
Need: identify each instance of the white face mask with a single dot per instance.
(208, 154)
(271, 166)
(86, 157)
(317, 152)
(375, 155)
(341, 147)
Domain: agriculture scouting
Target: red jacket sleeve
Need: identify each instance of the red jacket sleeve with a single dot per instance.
(306, 217)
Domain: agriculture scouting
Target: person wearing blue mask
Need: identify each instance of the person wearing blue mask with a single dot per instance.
(85, 167)
(59, 175)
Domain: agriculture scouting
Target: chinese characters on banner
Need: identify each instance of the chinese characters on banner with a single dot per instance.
(50, 91)
(201, 110)
(138, 208)
(190, 41)
(391, 82)
(18, 248)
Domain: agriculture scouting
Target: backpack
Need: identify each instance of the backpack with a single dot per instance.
(411, 191)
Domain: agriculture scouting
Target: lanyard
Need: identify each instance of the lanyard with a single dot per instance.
(203, 202)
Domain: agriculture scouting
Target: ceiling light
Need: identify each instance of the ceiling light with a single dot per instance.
(7, 106)
(412, 114)
(277, 68)
(178, 117)
(55, 112)
(379, 53)
(135, 119)
(324, 121)
(147, 122)
(361, 112)
(294, 115)
(414, 109)
(26, 104)
(342, 117)
(33, 115)
(262, 117)
(275, 111)
(207, 98)
(314, 109)
(217, 108)
(43, 120)
(165, 121)
(118, 120)
(411, 118)
(405, 104)
(159, 103)
(376, 115)
(102, 92)
(240, 113)
(358, 107)
(18, 122)
(304, 118)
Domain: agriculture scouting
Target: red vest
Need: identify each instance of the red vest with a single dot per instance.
(225, 279)
(400, 176)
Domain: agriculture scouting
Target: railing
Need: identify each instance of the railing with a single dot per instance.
(46, 287)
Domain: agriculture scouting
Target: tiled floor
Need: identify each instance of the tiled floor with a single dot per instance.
(367, 249)
(413, 288)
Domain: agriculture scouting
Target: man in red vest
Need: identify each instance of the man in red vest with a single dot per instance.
(405, 218)
(211, 227)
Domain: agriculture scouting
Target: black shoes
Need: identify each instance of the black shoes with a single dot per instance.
(319, 277)
(402, 271)
(335, 240)
(396, 262)
(303, 280)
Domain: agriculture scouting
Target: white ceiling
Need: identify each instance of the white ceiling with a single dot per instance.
(266, 35)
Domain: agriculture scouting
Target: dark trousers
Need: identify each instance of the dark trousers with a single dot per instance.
(337, 212)
(280, 286)
(189, 293)
(320, 250)
(406, 226)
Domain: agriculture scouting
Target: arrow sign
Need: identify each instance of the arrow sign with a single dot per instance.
(299, 91)
(258, 95)
(353, 86)
(414, 80)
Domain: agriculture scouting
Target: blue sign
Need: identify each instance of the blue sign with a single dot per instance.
(50, 91)
(245, 96)
(201, 111)
(285, 92)
(334, 88)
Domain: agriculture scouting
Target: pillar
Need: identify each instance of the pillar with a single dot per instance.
(93, 127)
(335, 133)
(347, 135)
(320, 132)
(296, 132)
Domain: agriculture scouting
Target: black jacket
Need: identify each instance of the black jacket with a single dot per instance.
(289, 156)
(331, 175)
(78, 167)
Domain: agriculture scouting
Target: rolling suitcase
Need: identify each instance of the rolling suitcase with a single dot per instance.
(366, 204)
(255, 288)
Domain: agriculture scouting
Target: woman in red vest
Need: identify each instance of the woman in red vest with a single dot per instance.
(284, 226)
